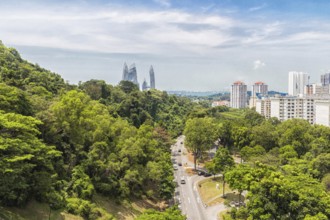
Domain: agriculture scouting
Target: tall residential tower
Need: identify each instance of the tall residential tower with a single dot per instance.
(325, 79)
(238, 95)
(297, 82)
(259, 89)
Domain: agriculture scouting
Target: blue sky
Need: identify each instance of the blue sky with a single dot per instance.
(193, 45)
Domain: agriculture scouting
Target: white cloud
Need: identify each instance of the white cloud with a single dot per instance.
(196, 42)
(257, 64)
(113, 29)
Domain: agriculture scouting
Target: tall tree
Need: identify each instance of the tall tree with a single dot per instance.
(223, 161)
(200, 135)
(26, 163)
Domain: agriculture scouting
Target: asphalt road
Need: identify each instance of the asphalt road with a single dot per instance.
(186, 194)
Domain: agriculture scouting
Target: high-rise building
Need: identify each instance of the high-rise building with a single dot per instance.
(125, 72)
(145, 85)
(325, 79)
(259, 89)
(130, 74)
(322, 112)
(297, 82)
(238, 95)
(152, 78)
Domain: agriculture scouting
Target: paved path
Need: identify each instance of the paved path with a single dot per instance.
(190, 202)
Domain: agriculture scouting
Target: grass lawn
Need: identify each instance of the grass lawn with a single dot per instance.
(211, 195)
(209, 192)
(233, 114)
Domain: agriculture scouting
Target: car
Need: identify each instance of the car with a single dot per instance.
(200, 173)
(180, 164)
(179, 150)
(183, 181)
(181, 142)
(175, 167)
(207, 174)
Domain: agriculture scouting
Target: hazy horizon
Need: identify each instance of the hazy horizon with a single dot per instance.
(192, 45)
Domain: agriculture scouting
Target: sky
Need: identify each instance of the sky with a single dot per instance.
(194, 45)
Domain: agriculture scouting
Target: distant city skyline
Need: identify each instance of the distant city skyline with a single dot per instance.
(203, 45)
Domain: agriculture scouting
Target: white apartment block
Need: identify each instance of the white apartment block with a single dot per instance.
(263, 106)
(288, 107)
(297, 82)
(238, 95)
(322, 112)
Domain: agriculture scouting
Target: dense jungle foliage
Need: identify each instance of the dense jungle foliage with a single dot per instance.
(65, 144)
(285, 166)
(61, 144)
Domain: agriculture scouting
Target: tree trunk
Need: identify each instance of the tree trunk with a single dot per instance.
(195, 159)
(223, 185)
(239, 199)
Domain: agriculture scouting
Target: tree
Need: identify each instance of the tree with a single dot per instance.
(15, 100)
(128, 86)
(287, 197)
(286, 153)
(326, 182)
(236, 178)
(223, 161)
(322, 165)
(241, 137)
(250, 152)
(225, 133)
(265, 135)
(297, 133)
(209, 166)
(200, 135)
(252, 117)
(26, 163)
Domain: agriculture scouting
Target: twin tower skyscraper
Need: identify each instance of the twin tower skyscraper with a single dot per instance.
(130, 74)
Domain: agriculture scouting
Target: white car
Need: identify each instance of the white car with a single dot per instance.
(175, 167)
(183, 181)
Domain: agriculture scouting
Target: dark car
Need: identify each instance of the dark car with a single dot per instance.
(207, 174)
(180, 164)
(200, 173)
(179, 150)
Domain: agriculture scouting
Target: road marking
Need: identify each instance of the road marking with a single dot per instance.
(198, 200)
